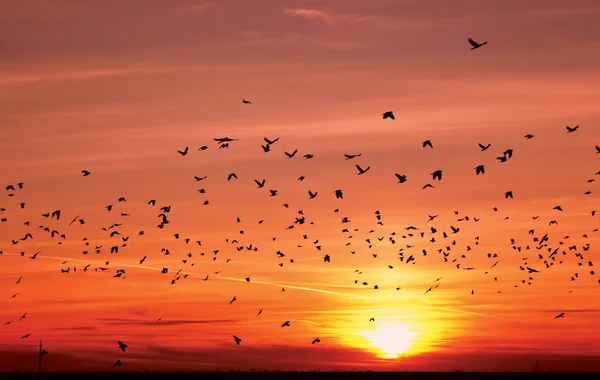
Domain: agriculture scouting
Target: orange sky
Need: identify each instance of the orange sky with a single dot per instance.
(118, 87)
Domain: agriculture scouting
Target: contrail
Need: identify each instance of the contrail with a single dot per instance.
(308, 289)
(294, 287)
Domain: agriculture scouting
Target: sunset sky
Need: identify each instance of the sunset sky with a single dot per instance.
(118, 87)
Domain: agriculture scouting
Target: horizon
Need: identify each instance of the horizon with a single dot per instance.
(132, 92)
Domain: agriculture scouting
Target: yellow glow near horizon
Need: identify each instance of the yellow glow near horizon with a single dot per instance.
(391, 339)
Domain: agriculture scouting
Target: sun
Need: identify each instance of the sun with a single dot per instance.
(390, 340)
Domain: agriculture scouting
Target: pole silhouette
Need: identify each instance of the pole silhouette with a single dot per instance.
(40, 358)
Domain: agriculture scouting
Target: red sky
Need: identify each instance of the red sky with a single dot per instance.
(118, 87)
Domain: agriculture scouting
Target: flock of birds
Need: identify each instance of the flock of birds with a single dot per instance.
(547, 255)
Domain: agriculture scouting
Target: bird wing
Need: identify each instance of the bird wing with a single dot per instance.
(473, 43)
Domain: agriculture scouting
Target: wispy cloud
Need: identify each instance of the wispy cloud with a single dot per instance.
(311, 14)
(565, 12)
(176, 322)
(379, 21)
(74, 328)
(298, 39)
(137, 69)
(199, 7)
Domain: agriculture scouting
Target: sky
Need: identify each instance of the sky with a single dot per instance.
(117, 88)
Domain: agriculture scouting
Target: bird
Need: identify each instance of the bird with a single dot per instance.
(476, 45)
(316, 340)
(437, 175)
(572, 129)
(401, 177)
(244, 101)
(117, 363)
(361, 170)
(237, 340)
(561, 315)
(85, 173)
(285, 324)
(427, 143)
(122, 346)
(183, 152)
(480, 169)
(597, 149)
(388, 114)
(484, 147)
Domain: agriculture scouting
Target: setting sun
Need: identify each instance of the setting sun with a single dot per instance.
(390, 339)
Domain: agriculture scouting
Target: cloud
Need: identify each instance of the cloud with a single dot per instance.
(571, 311)
(200, 7)
(378, 21)
(74, 328)
(564, 12)
(176, 322)
(311, 14)
(289, 38)
(133, 69)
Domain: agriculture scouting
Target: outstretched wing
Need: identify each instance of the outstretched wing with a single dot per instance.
(473, 43)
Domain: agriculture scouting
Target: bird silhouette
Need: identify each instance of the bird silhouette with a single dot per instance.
(476, 45)
(437, 175)
(388, 114)
(361, 170)
(401, 177)
(572, 129)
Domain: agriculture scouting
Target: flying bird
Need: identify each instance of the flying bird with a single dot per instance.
(389, 114)
(572, 129)
(361, 170)
(401, 177)
(476, 45)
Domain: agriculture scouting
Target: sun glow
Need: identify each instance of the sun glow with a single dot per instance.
(390, 340)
